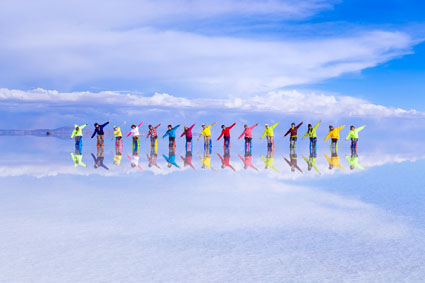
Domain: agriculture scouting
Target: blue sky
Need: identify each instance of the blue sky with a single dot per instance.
(222, 49)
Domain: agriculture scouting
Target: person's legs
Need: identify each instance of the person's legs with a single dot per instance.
(269, 143)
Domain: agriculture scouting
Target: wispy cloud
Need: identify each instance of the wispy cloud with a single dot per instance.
(124, 44)
(281, 102)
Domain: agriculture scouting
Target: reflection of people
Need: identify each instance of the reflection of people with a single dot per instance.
(311, 132)
(333, 160)
(99, 158)
(98, 129)
(154, 136)
(293, 131)
(268, 160)
(188, 159)
(78, 133)
(134, 159)
(78, 158)
(206, 161)
(153, 159)
(247, 161)
(268, 133)
(334, 135)
(136, 134)
(311, 162)
(354, 135)
(118, 152)
(354, 161)
(171, 159)
(225, 160)
(171, 133)
(248, 137)
(206, 131)
(293, 162)
(226, 133)
(188, 133)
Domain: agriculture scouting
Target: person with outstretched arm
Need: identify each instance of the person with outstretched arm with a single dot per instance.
(77, 158)
(98, 130)
(136, 134)
(311, 133)
(353, 160)
(152, 159)
(247, 161)
(226, 133)
(118, 136)
(188, 133)
(248, 136)
(206, 132)
(293, 131)
(311, 163)
(268, 132)
(188, 159)
(78, 133)
(354, 135)
(225, 162)
(171, 133)
(154, 136)
(334, 135)
(268, 161)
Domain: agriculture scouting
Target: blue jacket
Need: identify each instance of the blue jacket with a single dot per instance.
(171, 133)
(100, 130)
(171, 159)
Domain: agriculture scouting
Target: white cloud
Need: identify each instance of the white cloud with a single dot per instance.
(98, 43)
(281, 102)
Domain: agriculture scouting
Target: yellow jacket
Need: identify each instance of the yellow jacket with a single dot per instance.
(334, 161)
(269, 131)
(334, 134)
(207, 131)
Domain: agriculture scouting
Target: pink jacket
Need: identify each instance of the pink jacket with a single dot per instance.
(248, 132)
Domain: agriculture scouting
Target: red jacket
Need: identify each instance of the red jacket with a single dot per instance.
(293, 131)
(226, 131)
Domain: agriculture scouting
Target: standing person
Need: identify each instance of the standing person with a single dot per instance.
(354, 135)
(311, 132)
(78, 133)
(270, 136)
(188, 133)
(206, 131)
(136, 134)
(248, 137)
(98, 129)
(154, 136)
(294, 132)
(334, 135)
(226, 133)
(118, 137)
(171, 133)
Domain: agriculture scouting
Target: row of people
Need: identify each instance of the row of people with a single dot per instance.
(333, 160)
(333, 134)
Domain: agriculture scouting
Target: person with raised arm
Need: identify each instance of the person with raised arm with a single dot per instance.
(248, 136)
(268, 132)
(206, 132)
(171, 133)
(78, 133)
(334, 135)
(98, 130)
(354, 135)
(226, 133)
(293, 131)
(188, 133)
(154, 136)
(311, 133)
(136, 134)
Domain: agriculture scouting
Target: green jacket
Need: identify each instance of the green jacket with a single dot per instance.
(354, 161)
(354, 134)
(312, 133)
(269, 163)
(78, 159)
(79, 132)
(269, 131)
(312, 161)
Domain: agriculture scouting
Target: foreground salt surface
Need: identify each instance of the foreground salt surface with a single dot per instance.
(199, 226)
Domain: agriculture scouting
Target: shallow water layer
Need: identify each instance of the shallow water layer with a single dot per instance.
(218, 221)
